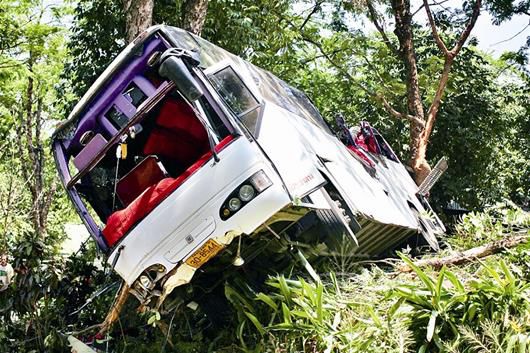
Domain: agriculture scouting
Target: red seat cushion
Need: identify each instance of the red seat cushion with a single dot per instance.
(120, 222)
(362, 155)
(133, 184)
(178, 117)
(174, 146)
(178, 135)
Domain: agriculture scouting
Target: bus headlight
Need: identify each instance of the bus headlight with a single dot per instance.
(234, 204)
(246, 193)
(260, 181)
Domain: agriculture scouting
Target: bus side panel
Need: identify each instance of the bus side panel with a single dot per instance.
(385, 202)
(283, 144)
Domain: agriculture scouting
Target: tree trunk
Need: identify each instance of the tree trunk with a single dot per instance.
(31, 152)
(194, 15)
(138, 17)
(403, 31)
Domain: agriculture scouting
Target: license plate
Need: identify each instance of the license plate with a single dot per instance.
(205, 253)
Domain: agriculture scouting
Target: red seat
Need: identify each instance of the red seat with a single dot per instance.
(120, 222)
(178, 135)
(178, 117)
(133, 184)
(174, 146)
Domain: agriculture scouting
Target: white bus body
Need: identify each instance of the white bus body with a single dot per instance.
(280, 146)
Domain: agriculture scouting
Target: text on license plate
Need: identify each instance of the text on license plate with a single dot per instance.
(205, 253)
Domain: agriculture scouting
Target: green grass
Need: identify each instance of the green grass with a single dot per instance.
(480, 307)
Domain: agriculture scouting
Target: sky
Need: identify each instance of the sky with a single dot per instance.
(509, 36)
(492, 39)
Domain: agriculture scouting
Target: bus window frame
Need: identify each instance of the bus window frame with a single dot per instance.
(223, 65)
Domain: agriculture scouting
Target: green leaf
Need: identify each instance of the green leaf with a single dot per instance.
(284, 288)
(240, 330)
(395, 307)
(154, 318)
(319, 304)
(374, 316)
(455, 281)
(423, 348)
(522, 343)
(507, 273)
(256, 323)
(432, 325)
(267, 300)
(419, 272)
(286, 314)
(439, 285)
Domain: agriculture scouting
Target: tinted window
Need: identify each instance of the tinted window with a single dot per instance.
(134, 95)
(117, 117)
(237, 96)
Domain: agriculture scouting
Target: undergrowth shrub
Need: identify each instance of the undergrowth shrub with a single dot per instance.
(299, 316)
(482, 307)
(443, 310)
(477, 228)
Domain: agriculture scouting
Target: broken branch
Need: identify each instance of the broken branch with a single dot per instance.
(116, 308)
(471, 254)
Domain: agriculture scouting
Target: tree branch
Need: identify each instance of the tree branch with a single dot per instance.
(327, 56)
(439, 3)
(467, 30)
(313, 11)
(397, 114)
(378, 96)
(438, 40)
(115, 309)
(449, 59)
(437, 100)
(316, 57)
(374, 18)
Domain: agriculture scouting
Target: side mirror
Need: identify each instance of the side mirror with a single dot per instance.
(174, 68)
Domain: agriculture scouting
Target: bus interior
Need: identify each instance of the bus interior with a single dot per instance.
(143, 145)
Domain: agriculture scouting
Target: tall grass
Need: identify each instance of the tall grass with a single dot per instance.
(481, 307)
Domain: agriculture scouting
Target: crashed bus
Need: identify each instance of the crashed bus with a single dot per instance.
(182, 152)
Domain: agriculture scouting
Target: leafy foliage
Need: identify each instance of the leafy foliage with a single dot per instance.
(482, 307)
(483, 129)
(497, 221)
